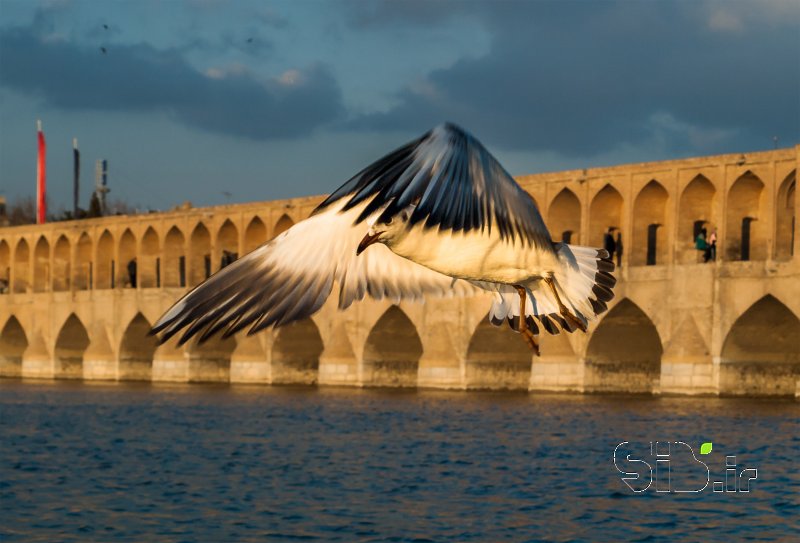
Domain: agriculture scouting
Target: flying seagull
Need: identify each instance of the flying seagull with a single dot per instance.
(437, 217)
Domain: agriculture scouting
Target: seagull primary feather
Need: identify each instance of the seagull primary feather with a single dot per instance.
(437, 217)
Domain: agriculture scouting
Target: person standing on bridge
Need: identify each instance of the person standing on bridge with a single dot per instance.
(608, 242)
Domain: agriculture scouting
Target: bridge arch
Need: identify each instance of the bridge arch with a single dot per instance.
(255, 234)
(61, 264)
(200, 251)
(497, 358)
(104, 271)
(149, 269)
(624, 352)
(71, 344)
(210, 362)
(746, 219)
(174, 266)
(5, 267)
(13, 343)
(41, 265)
(392, 351)
(564, 217)
(284, 223)
(761, 352)
(785, 224)
(295, 353)
(697, 203)
(22, 256)
(136, 350)
(227, 243)
(650, 214)
(605, 211)
(127, 274)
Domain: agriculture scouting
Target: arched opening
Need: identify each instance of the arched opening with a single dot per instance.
(71, 344)
(761, 354)
(785, 225)
(497, 358)
(564, 217)
(227, 244)
(22, 256)
(649, 226)
(61, 264)
(745, 228)
(392, 351)
(41, 266)
(605, 212)
(254, 235)
(200, 267)
(697, 210)
(150, 266)
(624, 352)
(136, 351)
(105, 268)
(210, 362)
(5, 267)
(13, 343)
(295, 353)
(128, 268)
(174, 259)
(283, 224)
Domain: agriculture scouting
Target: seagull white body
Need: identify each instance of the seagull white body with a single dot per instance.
(437, 217)
(476, 256)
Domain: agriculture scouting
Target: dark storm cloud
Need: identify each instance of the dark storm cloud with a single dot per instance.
(584, 78)
(141, 78)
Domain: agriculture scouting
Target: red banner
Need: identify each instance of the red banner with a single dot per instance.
(41, 179)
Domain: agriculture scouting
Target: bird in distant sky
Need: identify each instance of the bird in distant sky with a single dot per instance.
(103, 50)
(105, 26)
(438, 216)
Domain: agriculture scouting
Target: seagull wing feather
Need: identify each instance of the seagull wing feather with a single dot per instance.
(455, 183)
(290, 277)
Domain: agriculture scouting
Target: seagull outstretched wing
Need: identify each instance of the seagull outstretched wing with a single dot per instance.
(455, 183)
(290, 277)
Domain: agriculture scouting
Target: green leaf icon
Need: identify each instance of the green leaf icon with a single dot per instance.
(705, 448)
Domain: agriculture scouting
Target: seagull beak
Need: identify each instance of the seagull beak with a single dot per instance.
(368, 240)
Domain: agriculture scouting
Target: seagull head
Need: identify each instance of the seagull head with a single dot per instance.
(386, 231)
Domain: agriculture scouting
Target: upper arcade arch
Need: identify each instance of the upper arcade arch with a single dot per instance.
(650, 226)
(255, 234)
(41, 265)
(174, 265)
(5, 267)
(227, 243)
(200, 251)
(745, 228)
(61, 264)
(105, 264)
(697, 206)
(283, 224)
(128, 267)
(605, 212)
(785, 218)
(22, 256)
(149, 268)
(564, 217)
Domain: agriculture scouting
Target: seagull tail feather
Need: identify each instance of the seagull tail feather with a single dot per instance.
(585, 280)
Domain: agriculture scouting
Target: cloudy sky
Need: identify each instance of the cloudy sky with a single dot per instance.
(215, 100)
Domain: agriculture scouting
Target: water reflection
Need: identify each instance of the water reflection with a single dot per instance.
(216, 463)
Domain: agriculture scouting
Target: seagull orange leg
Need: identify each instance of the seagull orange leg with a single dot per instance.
(562, 308)
(527, 335)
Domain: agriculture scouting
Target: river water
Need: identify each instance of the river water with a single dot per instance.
(85, 462)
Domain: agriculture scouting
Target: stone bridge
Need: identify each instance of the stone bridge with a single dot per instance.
(70, 308)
